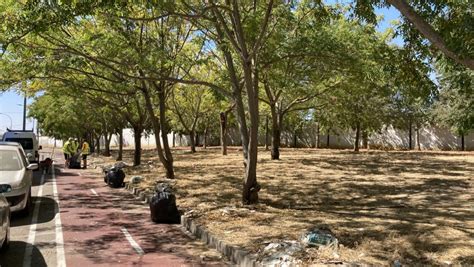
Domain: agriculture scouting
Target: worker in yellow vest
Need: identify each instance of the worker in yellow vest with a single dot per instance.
(85, 150)
(67, 150)
(75, 146)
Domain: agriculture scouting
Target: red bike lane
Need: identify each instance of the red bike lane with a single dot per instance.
(108, 227)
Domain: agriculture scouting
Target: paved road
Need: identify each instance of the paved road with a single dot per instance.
(33, 238)
(78, 221)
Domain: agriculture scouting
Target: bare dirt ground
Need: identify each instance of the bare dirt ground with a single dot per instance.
(415, 208)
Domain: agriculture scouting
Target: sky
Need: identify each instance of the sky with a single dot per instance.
(11, 106)
(11, 103)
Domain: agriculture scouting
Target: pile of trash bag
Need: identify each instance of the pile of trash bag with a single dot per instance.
(114, 177)
(163, 207)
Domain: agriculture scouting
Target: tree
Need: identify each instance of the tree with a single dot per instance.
(455, 105)
(300, 63)
(239, 39)
(360, 100)
(147, 57)
(190, 107)
(448, 25)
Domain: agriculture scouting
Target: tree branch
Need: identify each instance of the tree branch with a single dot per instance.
(429, 32)
(263, 29)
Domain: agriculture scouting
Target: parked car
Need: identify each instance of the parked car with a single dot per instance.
(4, 218)
(27, 139)
(17, 172)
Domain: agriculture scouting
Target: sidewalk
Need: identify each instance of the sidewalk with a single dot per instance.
(109, 227)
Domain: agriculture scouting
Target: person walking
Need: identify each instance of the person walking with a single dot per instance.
(67, 150)
(85, 152)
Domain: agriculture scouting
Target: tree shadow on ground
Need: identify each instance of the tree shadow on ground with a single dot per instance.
(361, 209)
(407, 206)
(114, 209)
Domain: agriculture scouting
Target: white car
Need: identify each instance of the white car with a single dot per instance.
(27, 139)
(4, 218)
(16, 171)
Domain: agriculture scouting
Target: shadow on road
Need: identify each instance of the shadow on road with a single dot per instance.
(48, 209)
(97, 220)
(48, 176)
(12, 257)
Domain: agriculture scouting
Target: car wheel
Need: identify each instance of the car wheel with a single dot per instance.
(26, 211)
(6, 241)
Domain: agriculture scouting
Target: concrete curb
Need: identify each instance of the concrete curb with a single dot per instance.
(237, 255)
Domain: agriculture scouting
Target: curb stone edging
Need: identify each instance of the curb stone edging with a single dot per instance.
(236, 254)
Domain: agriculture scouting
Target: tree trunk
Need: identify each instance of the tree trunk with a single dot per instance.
(410, 136)
(120, 151)
(204, 144)
(365, 140)
(295, 139)
(174, 139)
(92, 145)
(223, 121)
(317, 136)
(249, 136)
(91, 141)
(250, 185)
(266, 132)
(357, 137)
(462, 142)
(239, 104)
(98, 144)
(166, 161)
(137, 153)
(327, 140)
(418, 139)
(276, 134)
(197, 138)
(107, 138)
(164, 131)
(240, 112)
(192, 140)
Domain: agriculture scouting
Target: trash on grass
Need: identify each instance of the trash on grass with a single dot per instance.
(319, 237)
(121, 165)
(282, 254)
(136, 179)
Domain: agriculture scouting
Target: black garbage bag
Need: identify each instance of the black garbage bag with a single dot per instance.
(114, 177)
(75, 161)
(163, 206)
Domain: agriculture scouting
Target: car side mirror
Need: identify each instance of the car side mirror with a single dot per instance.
(5, 188)
(40, 147)
(32, 166)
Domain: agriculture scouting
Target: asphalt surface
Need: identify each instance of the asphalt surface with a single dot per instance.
(33, 238)
(77, 220)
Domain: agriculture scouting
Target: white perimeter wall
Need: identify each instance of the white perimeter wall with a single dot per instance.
(432, 138)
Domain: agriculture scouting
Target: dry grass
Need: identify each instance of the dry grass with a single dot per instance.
(414, 207)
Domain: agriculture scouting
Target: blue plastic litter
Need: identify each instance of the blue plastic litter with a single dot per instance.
(319, 237)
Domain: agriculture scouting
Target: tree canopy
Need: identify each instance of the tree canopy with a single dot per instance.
(162, 66)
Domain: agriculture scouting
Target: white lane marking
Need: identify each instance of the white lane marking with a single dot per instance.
(94, 192)
(60, 257)
(132, 242)
(32, 234)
